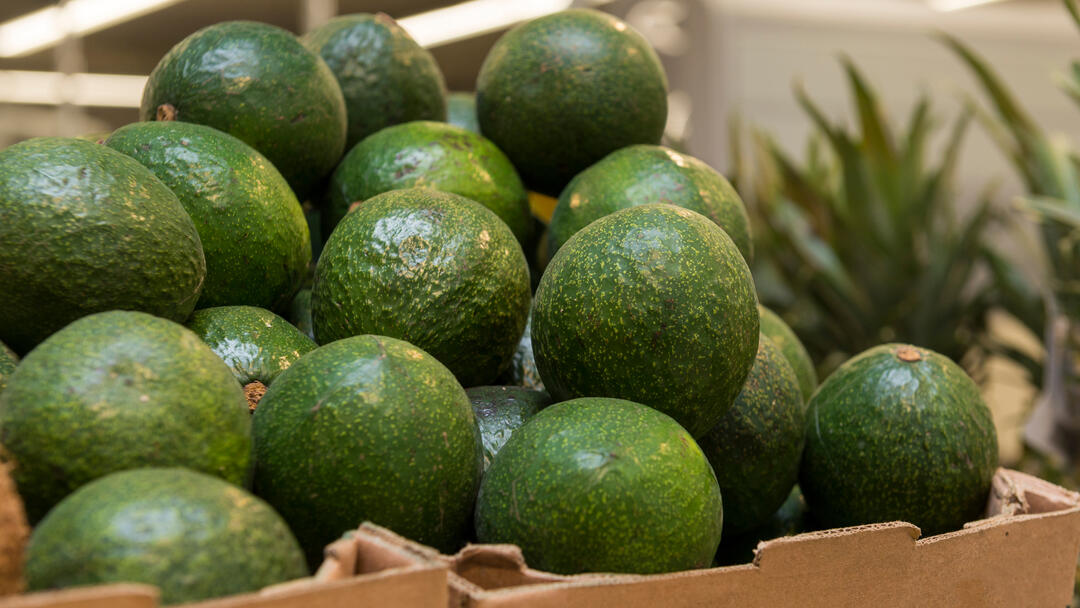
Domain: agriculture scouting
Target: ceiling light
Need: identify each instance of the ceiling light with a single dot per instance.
(468, 19)
(946, 6)
(54, 88)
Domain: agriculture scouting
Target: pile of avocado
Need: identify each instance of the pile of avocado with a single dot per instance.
(201, 386)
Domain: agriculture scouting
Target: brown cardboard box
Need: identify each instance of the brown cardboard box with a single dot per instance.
(369, 568)
(1023, 554)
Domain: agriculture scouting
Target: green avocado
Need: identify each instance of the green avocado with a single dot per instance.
(369, 428)
(256, 344)
(432, 268)
(500, 410)
(436, 155)
(257, 82)
(781, 333)
(561, 92)
(642, 174)
(120, 390)
(755, 449)
(522, 370)
(8, 362)
(252, 228)
(602, 485)
(655, 304)
(300, 313)
(86, 229)
(386, 77)
(191, 535)
(898, 433)
(461, 111)
(788, 520)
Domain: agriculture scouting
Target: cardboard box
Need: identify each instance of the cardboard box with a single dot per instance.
(1024, 554)
(370, 567)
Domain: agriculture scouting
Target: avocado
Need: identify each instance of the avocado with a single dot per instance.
(755, 449)
(256, 344)
(561, 92)
(602, 485)
(252, 228)
(898, 432)
(86, 229)
(386, 77)
(780, 333)
(642, 174)
(257, 82)
(655, 304)
(13, 534)
(431, 155)
(500, 410)
(788, 520)
(300, 313)
(433, 268)
(119, 390)
(8, 362)
(368, 428)
(461, 111)
(192, 535)
(522, 370)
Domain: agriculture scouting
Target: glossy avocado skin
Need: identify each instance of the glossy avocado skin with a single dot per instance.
(432, 268)
(191, 535)
(522, 370)
(655, 304)
(119, 390)
(385, 76)
(560, 92)
(369, 428)
(461, 110)
(8, 362)
(252, 228)
(425, 154)
(256, 344)
(898, 433)
(782, 335)
(258, 83)
(755, 449)
(602, 485)
(70, 204)
(637, 175)
(500, 410)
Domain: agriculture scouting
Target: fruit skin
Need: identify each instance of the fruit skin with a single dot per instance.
(522, 370)
(70, 204)
(432, 155)
(755, 449)
(120, 390)
(461, 111)
(432, 268)
(369, 428)
(258, 83)
(788, 520)
(655, 304)
(385, 76)
(500, 410)
(898, 433)
(560, 92)
(782, 335)
(300, 313)
(602, 485)
(256, 344)
(642, 174)
(8, 362)
(252, 228)
(192, 535)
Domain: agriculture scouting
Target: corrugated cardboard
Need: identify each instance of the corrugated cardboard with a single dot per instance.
(1023, 555)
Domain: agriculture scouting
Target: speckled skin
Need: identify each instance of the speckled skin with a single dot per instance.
(425, 154)
(432, 268)
(256, 344)
(500, 410)
(369, 428)
(637, 175)
(560, 92)
(252, 228)
(86, 229)
(119, 390)
(300, 313)
(783, 336)
(655, 304)
(192, 535)
(461, 111)
(602, 485)
(755, 450)
(8, 361)
(889, 439)
(522, 370)
(386, 77)
(257, 82)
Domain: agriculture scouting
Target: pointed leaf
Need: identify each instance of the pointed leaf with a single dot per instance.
(876, 138)
(1003, 101)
